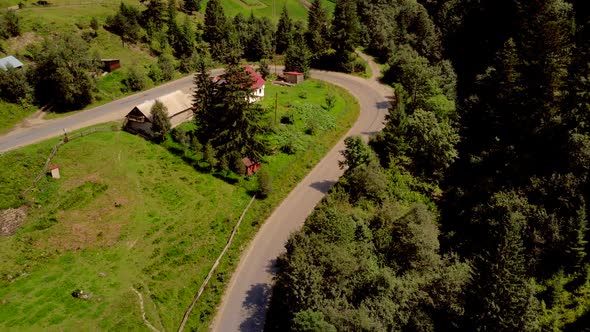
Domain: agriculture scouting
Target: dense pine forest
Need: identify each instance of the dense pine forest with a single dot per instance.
(468, 212)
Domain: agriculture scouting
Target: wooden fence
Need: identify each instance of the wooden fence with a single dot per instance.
(56, 147)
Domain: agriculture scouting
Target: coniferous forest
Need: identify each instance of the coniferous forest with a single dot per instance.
(468, 211)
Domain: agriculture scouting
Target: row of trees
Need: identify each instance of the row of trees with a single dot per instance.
(324, 43)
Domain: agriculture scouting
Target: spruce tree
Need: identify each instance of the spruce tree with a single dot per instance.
(284, 34)
(154, 15)
(215, 31)
(502, 297)
(318, 32)
(345, 27)
(297, 56)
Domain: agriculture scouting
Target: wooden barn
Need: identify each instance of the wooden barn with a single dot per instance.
(294, 77)
(178, 103)
(110, 65)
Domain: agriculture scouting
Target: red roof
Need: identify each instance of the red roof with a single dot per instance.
(293, 73)
(51, 168)
(248, 162)
(256, 77)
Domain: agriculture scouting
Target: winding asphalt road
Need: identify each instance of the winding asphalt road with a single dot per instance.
(245, 301)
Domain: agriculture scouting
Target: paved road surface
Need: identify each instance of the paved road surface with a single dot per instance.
(244, 305)
(109, 112)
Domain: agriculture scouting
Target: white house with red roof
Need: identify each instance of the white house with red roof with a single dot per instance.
(258, 84)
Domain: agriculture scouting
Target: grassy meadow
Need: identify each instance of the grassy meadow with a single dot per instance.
(129, 213)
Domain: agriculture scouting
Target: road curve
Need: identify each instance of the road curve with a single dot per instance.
(245, 301)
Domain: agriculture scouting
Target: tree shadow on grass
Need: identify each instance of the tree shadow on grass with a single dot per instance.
(256, 305)
(228, 177)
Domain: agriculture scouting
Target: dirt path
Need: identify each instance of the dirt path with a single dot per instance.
(143, 312)
(245, 302)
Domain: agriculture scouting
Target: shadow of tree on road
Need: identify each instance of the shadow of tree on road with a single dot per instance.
(256, 305)
(322, 186)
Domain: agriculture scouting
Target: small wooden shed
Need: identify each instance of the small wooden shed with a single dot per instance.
(251, 166)
(54, 170)
(110, 65)
(294, 77)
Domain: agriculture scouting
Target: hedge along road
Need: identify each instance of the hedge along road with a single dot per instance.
(245, 301)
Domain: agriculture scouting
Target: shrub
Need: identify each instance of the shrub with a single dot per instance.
(181, 136)
(210, 156)
(264, 182)
(160, 121)
(237, 165)
(166, 65)
(135, 80)
(288, 118)
(289, 148)
(330, 101)
(155, 73)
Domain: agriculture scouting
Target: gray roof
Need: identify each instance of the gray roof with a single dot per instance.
(10, 60)
(176, 102)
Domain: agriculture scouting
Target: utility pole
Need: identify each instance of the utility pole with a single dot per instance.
(276, 106)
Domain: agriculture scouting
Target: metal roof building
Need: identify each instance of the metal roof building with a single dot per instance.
(10, 61)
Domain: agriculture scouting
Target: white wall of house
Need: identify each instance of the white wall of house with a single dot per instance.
(257, 94)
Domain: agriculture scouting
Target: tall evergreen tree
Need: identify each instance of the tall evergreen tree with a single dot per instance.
(318, 32)
(225, 116)
(502, 298)
(345, 33)
(154, 15)
(297, 57)
(215, 30)
(284, 35)
(345, 27)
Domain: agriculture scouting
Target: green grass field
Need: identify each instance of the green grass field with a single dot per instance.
(271, 8)
(12, 114)
(129, 213)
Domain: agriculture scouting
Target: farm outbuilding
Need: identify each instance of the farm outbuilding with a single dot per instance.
(178, 104)
(109, 65)
(294, 77)
(251, 166)
(10, 61)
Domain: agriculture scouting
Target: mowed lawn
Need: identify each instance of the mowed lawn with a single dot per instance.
(129, 213)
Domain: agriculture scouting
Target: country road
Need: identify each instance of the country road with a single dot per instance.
(113, 111)
(245, 301)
